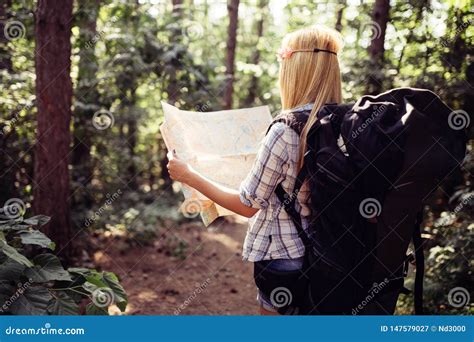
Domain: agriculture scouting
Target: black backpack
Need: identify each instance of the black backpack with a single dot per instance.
(370, 165)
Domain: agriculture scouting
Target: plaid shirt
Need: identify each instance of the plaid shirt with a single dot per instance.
(271, 233)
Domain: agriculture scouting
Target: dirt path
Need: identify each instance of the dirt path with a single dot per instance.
(211, 280)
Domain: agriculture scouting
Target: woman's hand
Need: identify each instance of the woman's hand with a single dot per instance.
(179, 170)
(228, 198)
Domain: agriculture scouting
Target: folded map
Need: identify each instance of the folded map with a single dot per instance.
(220, 145)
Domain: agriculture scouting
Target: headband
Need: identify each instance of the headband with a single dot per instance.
(287, 52)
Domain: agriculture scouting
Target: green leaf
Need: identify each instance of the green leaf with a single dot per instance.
(112, 281)
(47, 268)
(35, 237)
(92, 309)
(38, 220)
(80, 270)
(33, 301)
(11, 270)
(62, 304)
(107, 280)
(12, 253)
(12, 225)
(89, 287)
(96, 279)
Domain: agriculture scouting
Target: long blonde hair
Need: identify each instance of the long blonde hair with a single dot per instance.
(310, 77)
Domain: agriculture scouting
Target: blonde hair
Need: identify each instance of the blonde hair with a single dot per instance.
(310, 77)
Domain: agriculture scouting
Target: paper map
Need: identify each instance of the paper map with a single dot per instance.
(220, 145)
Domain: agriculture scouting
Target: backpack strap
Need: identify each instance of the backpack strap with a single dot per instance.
(296, 121)
(420, 264)
(288, 202)
(397, 283)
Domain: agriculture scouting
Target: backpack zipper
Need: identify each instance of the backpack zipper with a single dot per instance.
(332, 175)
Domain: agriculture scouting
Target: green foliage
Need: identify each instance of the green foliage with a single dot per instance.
(34, 282)
(143, 53)
(450, 250)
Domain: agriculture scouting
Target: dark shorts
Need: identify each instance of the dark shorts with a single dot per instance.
(279, 296)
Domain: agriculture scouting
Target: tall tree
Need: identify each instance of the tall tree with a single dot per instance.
(341, 6)
(173, 86)
(6, 175)
(128, 82)
(86, 97)
(53, 96)
(255, 58)
(233, 10)
(380, 17)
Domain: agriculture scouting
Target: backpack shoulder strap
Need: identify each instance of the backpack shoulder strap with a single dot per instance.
(288, 202)
(420, 264)
(295, 120)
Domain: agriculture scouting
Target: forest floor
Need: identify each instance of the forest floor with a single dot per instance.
(206, 278)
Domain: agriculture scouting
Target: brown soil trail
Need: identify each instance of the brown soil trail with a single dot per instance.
(208, 278)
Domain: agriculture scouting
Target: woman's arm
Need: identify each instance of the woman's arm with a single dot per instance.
(225, 197)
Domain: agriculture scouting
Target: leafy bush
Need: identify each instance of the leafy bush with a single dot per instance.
(34, 282)
(136, 216)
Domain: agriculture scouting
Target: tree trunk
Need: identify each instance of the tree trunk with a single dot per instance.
(87, 98)
(339, 15)
(253, 86)
(53, 96)
(132, 144)
(233, 10)
(380, 17)
(129, 103)
(7, 179)
(5, 57)
(172, 90)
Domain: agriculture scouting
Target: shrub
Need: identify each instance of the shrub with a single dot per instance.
(34, 282)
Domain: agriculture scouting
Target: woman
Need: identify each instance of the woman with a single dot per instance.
(309, 78)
